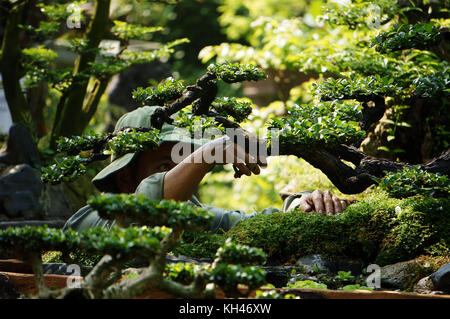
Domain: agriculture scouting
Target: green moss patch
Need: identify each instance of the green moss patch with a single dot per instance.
(377, 229)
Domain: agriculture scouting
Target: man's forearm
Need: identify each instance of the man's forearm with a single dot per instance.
(182, 180)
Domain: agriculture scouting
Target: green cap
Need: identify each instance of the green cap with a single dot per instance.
(140, 117)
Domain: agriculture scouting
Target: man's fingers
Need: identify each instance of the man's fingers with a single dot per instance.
(328, 201)
(317, 199)
(243, 168)
(305, 206)
(337, 204)
(249, 160)
(254, 168)
(252, 165)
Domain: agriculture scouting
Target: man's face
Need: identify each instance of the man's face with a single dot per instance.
(154, 161)
(148, 163)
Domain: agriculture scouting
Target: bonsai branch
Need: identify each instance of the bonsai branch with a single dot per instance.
(202, 95)
(353, 180)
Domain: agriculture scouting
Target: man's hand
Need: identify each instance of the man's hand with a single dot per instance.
(320, 201)
(224, 151)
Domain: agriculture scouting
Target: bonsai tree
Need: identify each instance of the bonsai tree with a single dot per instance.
(165, 221)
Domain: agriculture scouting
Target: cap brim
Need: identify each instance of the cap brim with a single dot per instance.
(104, 180)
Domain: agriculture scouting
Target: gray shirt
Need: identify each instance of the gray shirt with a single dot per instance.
(153, 188)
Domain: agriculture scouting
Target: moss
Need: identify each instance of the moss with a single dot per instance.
(200, 244)
(423, 266)
(377, 229)
(52, 256)
(422, 226)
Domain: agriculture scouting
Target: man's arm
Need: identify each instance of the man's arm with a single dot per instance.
(181, 181)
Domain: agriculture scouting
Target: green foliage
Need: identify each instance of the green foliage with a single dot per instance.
(319, 124)
(434, 84)
(274, 44)
(238, 16)
(39, 27)
(35, 239)
(77, 144)
(132, 141)
(307, 284)
(404, 36)
(57, 11)
(360, 13)
(228, 276)
(64, 170)
(355, 88)
(118, 242)
(228, 270)
(183, 273)
(197, 125)
(232, 253)
(36, 62)
(125, 31)
(235, 72)
(140, 208)
(122, 243)
(356, 287)
(412, 181)
(165, 50)
(168, 90)
(344, 276)
(230, 106)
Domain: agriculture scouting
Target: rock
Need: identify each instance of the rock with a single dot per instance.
(7, 288)
(279, 276)
(20, 190)
(424, 286)
(65, 269)
(310, 263)
(397, 275)
(441, 278)
(172, 259)
(20, 148)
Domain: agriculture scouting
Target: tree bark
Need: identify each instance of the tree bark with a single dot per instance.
(75, 109)
(351, 180)
(10, 68)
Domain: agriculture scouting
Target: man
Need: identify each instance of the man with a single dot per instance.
(156, 174)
